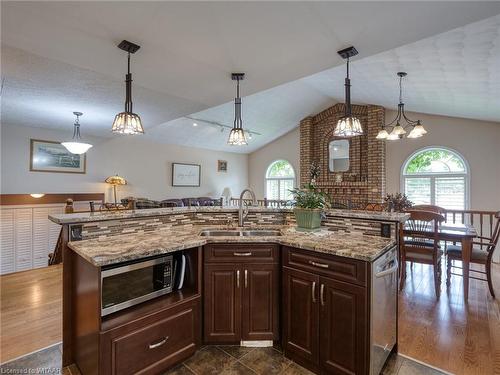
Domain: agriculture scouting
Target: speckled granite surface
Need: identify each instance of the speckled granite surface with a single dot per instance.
(105, 251)
(86, 217)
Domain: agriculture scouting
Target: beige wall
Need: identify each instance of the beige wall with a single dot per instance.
(145, 164)
(285, 147)
(477, 141)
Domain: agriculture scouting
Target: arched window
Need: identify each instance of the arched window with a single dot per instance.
(437, 176)
(280, 178)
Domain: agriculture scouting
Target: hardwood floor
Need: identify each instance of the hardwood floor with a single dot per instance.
(448, 334)
(31, 311)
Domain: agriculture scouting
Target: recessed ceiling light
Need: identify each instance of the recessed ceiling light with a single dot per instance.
(195, 124)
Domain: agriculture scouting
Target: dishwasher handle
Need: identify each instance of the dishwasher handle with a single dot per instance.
(386, 272)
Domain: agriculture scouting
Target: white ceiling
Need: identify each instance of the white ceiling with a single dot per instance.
(58, 57)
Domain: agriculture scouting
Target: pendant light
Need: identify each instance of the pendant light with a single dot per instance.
(128, 122)
(237, 134)
(394, 130)
(348, 125)
(75, 146)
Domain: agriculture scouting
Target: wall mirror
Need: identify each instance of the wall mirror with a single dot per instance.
(338, 155)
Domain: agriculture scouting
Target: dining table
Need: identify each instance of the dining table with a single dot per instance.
(463, 234)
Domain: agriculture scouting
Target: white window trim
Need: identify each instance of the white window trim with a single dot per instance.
(466, 174)
(278, 178)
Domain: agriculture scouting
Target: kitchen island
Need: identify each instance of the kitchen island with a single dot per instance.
(318, 287)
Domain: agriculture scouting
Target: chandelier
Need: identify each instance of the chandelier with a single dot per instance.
(394, 130)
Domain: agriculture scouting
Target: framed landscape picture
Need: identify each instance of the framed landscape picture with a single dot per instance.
(186, 174)
(49, 156)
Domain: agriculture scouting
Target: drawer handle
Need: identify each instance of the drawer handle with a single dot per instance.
(159, 343)
(322, 265)
(242, 254)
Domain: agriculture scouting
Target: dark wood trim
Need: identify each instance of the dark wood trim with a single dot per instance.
(18, 199)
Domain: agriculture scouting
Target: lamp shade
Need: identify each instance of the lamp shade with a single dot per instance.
(115, 180)
(227, 193)
(77, 148)
(348, 126)
(127, 123)
(237, 137)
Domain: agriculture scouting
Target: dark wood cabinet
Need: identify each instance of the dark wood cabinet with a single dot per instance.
(260, 320)
(343, 327)
(222, 302)
(300, 315)
(151, 345)
(242, 293)
(324, 320)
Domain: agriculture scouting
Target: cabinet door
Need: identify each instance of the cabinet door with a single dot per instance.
(343, 327)
(301, 316)
(40, 237)
(23, 237)
(260, 311)
(7, 244)
(222, 300)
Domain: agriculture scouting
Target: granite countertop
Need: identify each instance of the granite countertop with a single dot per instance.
(111, 250)
(88, 217)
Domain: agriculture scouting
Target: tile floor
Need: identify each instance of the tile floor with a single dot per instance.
(210, 360)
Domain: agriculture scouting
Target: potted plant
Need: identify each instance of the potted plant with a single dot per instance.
(308, 206)
(397, 202)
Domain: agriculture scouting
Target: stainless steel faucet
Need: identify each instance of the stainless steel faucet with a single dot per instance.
(243, 212)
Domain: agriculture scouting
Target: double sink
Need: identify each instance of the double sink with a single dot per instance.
(240, 232)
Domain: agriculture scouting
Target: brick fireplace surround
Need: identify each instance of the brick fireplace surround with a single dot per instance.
(364, 182)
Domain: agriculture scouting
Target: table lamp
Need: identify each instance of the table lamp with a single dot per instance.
(115, 180)
(227, 194)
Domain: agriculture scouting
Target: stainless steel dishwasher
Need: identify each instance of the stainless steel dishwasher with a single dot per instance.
(383, 308)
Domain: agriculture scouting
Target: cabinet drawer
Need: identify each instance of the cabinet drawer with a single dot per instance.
(169, 338)
(241, 253)
(339, 268)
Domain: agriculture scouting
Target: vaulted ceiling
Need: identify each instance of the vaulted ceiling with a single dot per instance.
(58, 57)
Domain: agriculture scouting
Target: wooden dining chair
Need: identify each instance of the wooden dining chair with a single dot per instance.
(429, 207)
(482, 253)
(420, 243)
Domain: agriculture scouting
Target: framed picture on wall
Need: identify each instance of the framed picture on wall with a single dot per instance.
(221, 166)
(50, 156)
(186, 174)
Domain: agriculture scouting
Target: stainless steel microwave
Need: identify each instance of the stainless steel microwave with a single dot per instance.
(129, 284)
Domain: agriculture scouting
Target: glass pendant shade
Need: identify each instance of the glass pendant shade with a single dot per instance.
(398, 130)
(382, 134)
(393, 136)
(237, 137)
(417, 131)
(348, 126)
(127, 123)
(75, 146)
